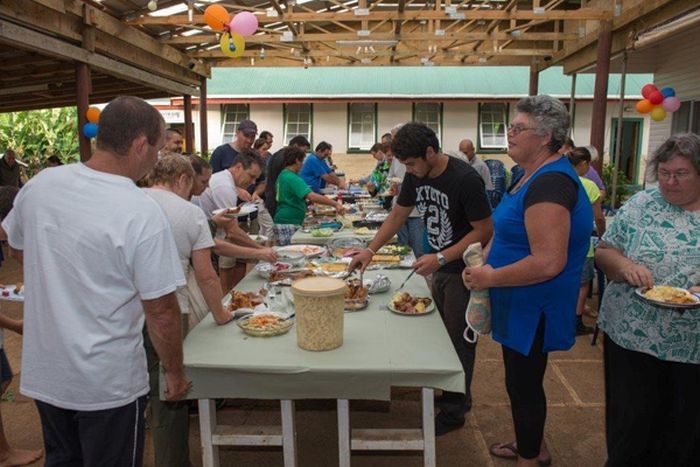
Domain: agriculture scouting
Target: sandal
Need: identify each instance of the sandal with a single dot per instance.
(510, 451)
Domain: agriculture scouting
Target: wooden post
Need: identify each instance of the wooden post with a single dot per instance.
(189, 129)
(600, 93)
(82, 80)
(203, 130)
(534, 80)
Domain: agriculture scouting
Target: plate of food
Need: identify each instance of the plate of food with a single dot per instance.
(236, 211)
(356, 295)
(265, 324)
(404, 303)
(669, 297)
(237, 300)
(307, 250)
(266, 269)
(12, 292)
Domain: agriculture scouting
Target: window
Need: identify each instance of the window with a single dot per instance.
(362, 120)
(492, 126)
(297, 121)
(429, 113)
(233, 113)
(687, 118)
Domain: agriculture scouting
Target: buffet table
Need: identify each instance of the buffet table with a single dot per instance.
(380, 350)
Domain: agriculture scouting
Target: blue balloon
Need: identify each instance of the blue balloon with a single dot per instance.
(668, 92)
(90, 130)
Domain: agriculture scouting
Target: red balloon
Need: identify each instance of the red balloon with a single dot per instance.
(656, 97)
(648, 89)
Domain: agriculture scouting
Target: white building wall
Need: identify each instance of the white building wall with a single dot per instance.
(391, 114)
(268, 117)
(459, 121)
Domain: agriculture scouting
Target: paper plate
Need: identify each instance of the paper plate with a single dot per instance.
(244, 211)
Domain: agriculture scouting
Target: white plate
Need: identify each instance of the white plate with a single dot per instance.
(308, 250)
(683, 306)
(429, 309)
(7, 292)
(284, 326)
(245, 210)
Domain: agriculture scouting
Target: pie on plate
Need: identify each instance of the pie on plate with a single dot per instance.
(404, 303)
(665, 295)
(265, 324)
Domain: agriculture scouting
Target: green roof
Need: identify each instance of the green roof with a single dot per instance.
(406, 82)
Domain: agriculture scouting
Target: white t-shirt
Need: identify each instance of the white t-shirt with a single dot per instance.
(94, 246)
(190, 229)
(397, 169)
(220, 194)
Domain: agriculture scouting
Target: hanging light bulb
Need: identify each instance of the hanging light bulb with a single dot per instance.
(231, 45)
(190, 12)
(152, 5)
(262, 53)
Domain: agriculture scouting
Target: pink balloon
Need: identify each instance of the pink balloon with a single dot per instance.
(671, 104)
(244, 23)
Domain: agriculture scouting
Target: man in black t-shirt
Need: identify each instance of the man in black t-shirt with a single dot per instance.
(450, 197)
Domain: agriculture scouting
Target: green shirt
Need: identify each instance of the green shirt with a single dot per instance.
(291, 192)
(593, 193)
(666, 239)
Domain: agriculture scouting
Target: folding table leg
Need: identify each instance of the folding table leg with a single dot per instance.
(344, 432)
(289, 434)
(428, 427)
(207, 424)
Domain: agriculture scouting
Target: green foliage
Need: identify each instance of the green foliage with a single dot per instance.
(37, 134)
(623, 190)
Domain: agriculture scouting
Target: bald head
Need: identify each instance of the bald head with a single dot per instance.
(467, 147)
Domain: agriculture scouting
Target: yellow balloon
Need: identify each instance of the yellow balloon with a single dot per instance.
(232, 44)
(658, 113)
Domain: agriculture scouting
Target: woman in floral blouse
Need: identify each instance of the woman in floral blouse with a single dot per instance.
(652, 353)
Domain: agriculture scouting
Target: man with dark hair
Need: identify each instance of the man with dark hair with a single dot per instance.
(10, 171)
(316, 172)
(275, 165)
(173, 142)
(223, 193)
(224, 155)
(452, 202)
(98, 255)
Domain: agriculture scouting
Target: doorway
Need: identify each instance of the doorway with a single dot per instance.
(630, 149)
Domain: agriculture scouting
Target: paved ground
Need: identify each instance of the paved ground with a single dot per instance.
(574, 385)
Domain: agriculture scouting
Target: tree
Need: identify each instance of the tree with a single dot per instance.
(37, 134)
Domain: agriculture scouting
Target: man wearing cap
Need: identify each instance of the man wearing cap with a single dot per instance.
(223, 156)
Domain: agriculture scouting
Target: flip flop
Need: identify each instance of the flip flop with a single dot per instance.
(512, 453)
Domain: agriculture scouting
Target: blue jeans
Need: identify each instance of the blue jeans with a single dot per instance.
(411, 234)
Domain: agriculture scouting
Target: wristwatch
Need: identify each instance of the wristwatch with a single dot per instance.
(441, 259)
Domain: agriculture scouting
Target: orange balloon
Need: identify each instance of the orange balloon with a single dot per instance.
(93, 114)
(216, 17)
(658, 113)
(644, 106)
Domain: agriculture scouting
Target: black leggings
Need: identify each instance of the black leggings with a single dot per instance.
(524, 378)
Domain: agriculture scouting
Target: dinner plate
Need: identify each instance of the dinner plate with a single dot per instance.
(429, 309)
(245, 210)
(282, 326)
(7, 292)
(308, 250)
(354, 304)
(639, 292)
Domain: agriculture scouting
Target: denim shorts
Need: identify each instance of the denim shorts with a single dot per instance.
(588, 271)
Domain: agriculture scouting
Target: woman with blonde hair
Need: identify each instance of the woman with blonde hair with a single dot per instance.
(171, 185)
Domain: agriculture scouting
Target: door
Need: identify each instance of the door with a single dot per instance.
(630, 149)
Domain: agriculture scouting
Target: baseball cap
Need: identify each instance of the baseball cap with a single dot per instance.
(247, 126)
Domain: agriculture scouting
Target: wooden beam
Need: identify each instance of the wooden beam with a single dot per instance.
(25, 38)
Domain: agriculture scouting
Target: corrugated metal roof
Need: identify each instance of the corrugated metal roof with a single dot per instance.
(405, 82)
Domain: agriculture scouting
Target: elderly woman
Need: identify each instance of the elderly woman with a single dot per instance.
(291, 195)
(542, 231)
(172, 179)
(652, 353)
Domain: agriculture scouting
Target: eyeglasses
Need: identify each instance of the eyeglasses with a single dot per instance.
(515, 130)
(679, 176)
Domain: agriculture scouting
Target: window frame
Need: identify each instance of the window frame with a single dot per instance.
(492, 148)
(287, 135)
(361, 149)
(242, 113)
(438, 111)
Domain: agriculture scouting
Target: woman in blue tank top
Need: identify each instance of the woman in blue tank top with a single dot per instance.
(541, 235)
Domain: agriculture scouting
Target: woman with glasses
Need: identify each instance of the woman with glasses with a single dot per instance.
(652, 353)
(542, 230)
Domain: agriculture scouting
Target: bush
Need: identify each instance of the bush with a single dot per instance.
(624, 188)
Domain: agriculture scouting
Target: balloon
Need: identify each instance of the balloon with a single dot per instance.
(656, 97)
(232, 45)
(90, 130)
(671, 104)
(648, 89)
(668, 92)
(244, 23)
(93, 114)
(644, 106)
(216, 17)
(658, 113)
